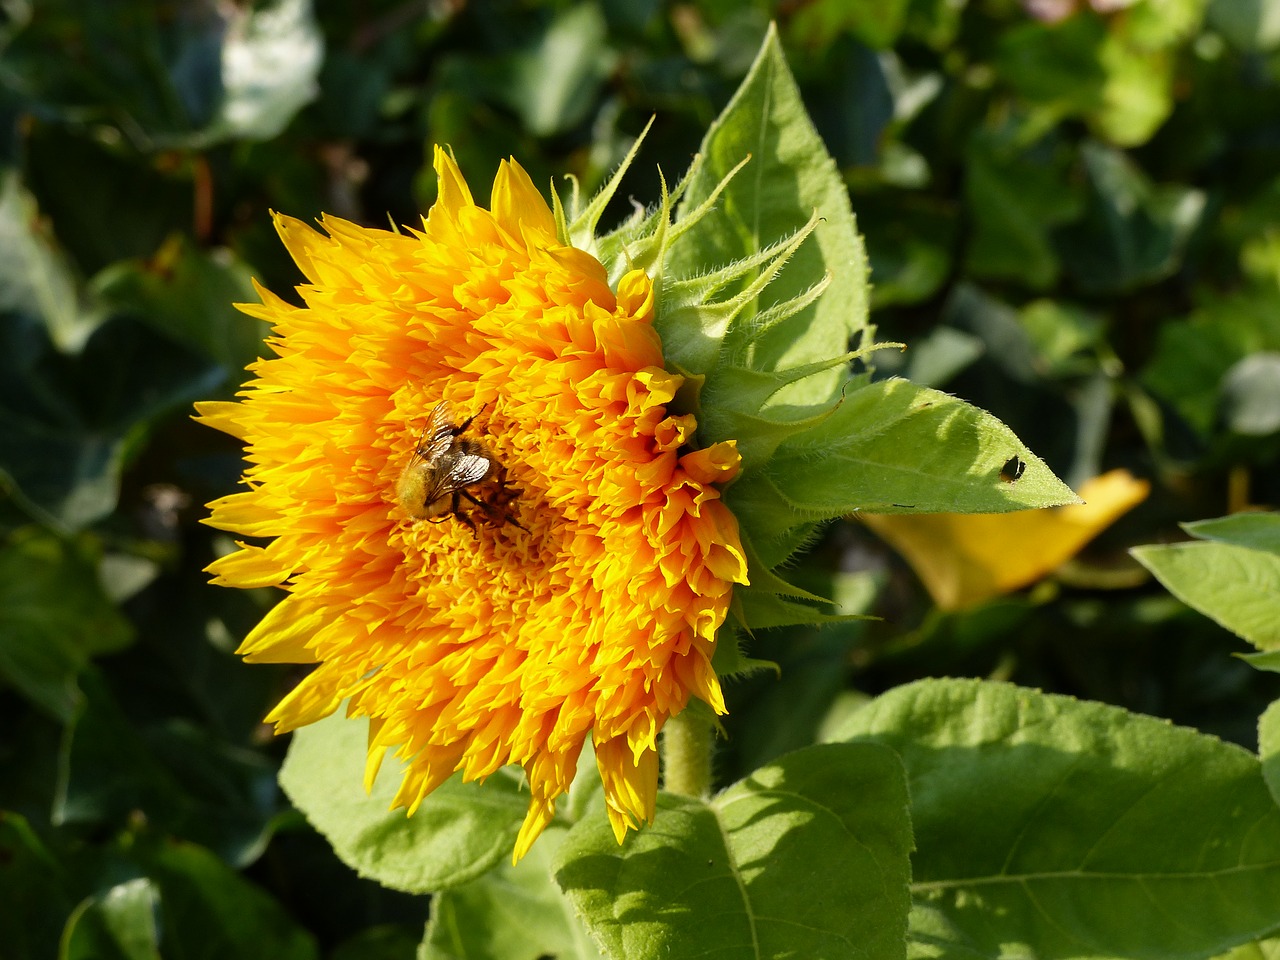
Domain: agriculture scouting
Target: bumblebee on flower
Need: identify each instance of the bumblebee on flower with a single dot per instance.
(583, 561)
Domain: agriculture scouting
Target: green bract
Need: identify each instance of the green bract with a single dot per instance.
(762, 303)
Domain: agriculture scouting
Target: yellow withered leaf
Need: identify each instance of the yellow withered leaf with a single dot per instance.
(964, 559)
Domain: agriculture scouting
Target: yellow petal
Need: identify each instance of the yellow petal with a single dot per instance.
(965, 559)
(630, 784)
(282, 636)
(250, 567)
(535, 821)
(517, 204)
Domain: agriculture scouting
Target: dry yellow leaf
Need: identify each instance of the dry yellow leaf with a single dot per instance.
(966, 558)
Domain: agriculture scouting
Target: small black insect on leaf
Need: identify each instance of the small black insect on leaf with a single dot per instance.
(1012, 470)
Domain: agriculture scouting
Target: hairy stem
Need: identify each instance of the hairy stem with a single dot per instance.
(686, 755)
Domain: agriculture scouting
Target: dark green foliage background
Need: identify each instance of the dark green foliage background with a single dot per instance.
(1074, 224)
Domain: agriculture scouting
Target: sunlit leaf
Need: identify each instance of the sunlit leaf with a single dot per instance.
(805, 857)
(511, 913)
(1236, 585)
(788, 177)
(461, 830)
(893, 447)
(1051, 827)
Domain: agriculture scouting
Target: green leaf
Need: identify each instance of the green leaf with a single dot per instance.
(1138, 95)
(876, 23)
(893, 447)
(1193, 356)
(209, 910)
(271, 57)
(1238, 587)
(1251, 395)
(1016, 195)
(554, 84)
(36, 279)
(807, 857)
(1051, 827)
(53, 618)
(191, 782)
(461, 830)
(65, 420)
(187, 294)
(1269, 748)
(1259, 531)
(789, 176)
(119, 924)
(1269, 662)
(1133, 233)
(1268, 949)
(1163, 23)
(511, 913)
(35, 898)
(1247, 24)
(1056, 65)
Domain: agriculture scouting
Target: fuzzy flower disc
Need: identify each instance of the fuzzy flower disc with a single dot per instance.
(593, 611)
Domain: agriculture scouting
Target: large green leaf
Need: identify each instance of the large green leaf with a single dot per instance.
(510, 913)
(807, 857)
(1055, 828)
(1233, 578)
(460, 831)
(789, 176)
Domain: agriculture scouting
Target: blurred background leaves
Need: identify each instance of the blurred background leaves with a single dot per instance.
(1072, 212)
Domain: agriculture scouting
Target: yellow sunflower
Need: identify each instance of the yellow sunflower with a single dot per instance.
(579, 593)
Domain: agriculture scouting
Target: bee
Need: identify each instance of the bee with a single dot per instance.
(444, 470)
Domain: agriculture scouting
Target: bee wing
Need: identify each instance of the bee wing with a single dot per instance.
(467, 469)
(439, 433)
(457, 473)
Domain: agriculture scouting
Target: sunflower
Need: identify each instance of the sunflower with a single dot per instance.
(577, 594)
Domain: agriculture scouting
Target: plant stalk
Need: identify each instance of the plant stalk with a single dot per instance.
(686, 755)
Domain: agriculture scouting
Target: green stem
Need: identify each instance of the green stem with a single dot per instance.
(686, 755)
